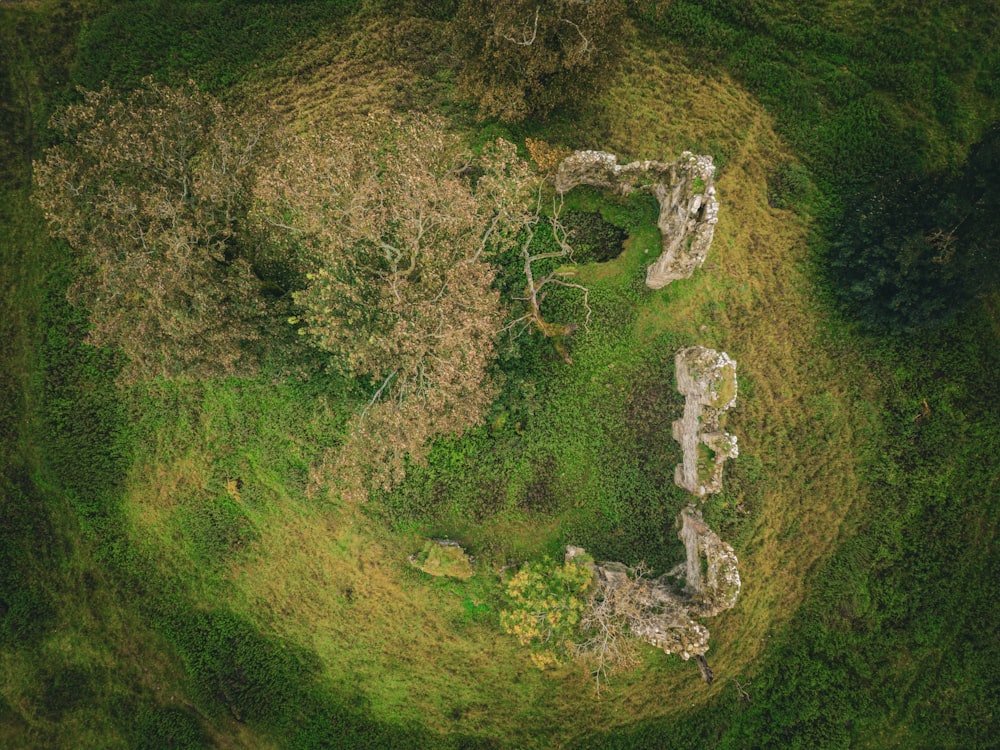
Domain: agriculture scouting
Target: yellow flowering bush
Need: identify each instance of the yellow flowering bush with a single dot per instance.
(546, 604)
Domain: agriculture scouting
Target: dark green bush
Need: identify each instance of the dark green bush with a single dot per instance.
(157, 727)
(789, 185)
(593, 239)
(28, 548)
(257, 679)
(921, 252)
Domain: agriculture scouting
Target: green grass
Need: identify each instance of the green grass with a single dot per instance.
(556, 469)
(147, 603)
(79, 665)
(862, 90)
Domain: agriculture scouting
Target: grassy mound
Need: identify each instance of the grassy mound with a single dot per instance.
(179, 570)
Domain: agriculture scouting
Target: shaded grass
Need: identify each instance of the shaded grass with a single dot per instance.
(78, 666)
(862, 90)
(217, 44)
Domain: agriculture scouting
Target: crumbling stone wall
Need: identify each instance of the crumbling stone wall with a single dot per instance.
(716, 590)
(662, 611)
(683, 189)
(707, 379)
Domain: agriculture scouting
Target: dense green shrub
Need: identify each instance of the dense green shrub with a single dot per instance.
(218, 528)
(921, 252)
(789, 185)
(257, 679)
(63, 689)
(592, 237)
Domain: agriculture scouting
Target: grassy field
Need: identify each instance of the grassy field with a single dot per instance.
(183, 570)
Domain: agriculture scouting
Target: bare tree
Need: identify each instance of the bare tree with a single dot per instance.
(618, 607)
(514, 197)
(534, 293)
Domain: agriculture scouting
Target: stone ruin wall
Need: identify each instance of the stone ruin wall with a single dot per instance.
(683, 189)
(707, 379)
(669, 609)
(688, 213)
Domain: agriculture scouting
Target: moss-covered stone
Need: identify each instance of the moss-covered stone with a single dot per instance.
(443, 558)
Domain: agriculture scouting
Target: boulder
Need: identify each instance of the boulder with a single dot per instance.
(443, 557)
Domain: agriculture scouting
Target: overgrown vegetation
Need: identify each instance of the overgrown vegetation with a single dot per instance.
(178, 569)
(546, 604)
(394, 247)
(151, 191)
(522, 59)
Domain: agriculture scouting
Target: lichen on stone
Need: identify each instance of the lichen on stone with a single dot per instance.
(707, 379)
(443, 557)
(683, 189)
(662, 611)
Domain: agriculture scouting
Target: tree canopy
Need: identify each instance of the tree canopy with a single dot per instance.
(383, 233)
(150, 189)
(394, 242)
(523, 58)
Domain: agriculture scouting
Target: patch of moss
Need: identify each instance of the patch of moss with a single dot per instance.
(438, 559)
(724, 389)
(706, 463)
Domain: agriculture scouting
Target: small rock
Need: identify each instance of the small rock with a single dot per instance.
(443, 558)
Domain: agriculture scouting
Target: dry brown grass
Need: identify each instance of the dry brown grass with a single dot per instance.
(385, 65)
